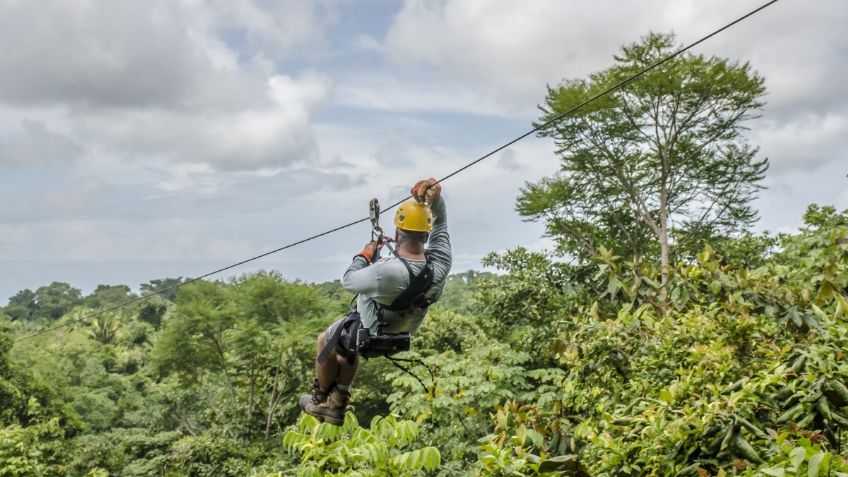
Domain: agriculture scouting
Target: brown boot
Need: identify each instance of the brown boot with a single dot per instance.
(318, 396)
(332, 410)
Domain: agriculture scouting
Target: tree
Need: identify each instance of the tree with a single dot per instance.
(108, 295)
(243, 343)
(165, 287)
(22, 305)
(55, 300)
(104, 328)
(658, 160)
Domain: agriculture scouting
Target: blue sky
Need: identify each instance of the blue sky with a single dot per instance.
(147, 139)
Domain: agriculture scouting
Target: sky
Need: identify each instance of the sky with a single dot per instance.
(141, 140)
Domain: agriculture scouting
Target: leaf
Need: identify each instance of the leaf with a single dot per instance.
(613, 286)
(774, 471)
(535, 437)
(432, 458)
(818, 312)
(715, 287)
(815, 464)
(796, 457)
(569, 464)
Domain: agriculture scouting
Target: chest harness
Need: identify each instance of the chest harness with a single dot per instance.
(350, 338)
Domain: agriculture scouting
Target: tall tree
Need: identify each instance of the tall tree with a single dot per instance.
(54, 300)
(165, 287)
(22, 305)
(108, 295)
(662, 161)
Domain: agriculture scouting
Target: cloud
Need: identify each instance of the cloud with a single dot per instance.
(14, 234)
(279, 28)
(805, 141)
(158, 80)
(398, 92)
(126, 53)
(404, 149)
(79, 51)
(272, 135)
(34, 143)
(366, 42)
(80, 193)
(510, 50)
(507, 160)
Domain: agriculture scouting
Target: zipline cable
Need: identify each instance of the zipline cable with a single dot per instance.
(535, 129)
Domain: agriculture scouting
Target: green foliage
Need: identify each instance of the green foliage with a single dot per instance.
(22, 305)
(519, 307)
(550, 368)
(46, 303)
(108, 295)
(741, 362)
(387, 448)
(163, 286)
(31, 450)
(204, 456)
(123, 451)
(246, 342)
(800, 457)
(459, 290)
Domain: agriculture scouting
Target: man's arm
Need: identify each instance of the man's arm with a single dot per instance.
(439, 247)
(360, 278)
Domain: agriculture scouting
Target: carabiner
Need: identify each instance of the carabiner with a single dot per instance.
(374, 214)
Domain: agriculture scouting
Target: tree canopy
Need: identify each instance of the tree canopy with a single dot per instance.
(659, 164)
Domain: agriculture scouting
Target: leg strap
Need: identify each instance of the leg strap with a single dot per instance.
(351, 320)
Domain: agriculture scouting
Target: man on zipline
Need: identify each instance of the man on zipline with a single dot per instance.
(393, 296)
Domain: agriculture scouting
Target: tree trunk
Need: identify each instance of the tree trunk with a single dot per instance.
(272, 403)
(664, 247)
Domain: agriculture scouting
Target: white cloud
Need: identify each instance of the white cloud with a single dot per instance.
(365, 42)
(390, 91)
(275, 134)
(507, 160)
(80, 193)
(279, 28)
(142, 80)
(804, 141)
(14, 234)
(510, 50)
(405, 149)
(842, 201)
(34, 142)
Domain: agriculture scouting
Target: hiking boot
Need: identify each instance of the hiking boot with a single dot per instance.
(318, 396)
(332, 410)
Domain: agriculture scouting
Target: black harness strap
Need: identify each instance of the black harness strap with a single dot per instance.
(414, 295)
(353, 321)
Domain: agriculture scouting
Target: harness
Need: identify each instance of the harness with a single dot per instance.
(352, 338)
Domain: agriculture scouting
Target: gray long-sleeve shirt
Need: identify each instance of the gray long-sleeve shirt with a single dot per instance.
(386, 279)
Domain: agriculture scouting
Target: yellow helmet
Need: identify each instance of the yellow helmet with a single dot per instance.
(414, 216)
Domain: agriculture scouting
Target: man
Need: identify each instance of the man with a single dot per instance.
(393, 296)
